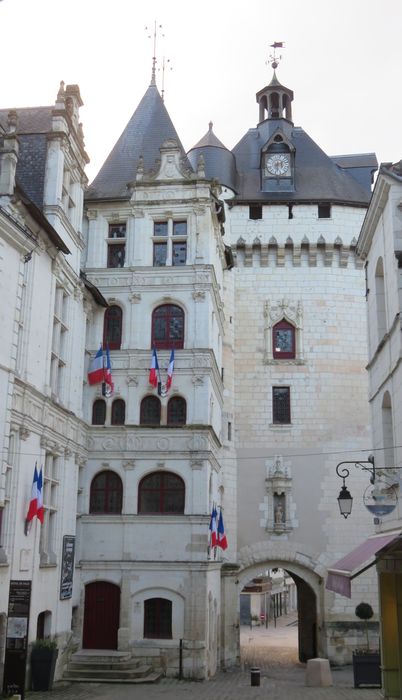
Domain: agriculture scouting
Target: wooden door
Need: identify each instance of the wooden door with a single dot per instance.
(101, 615)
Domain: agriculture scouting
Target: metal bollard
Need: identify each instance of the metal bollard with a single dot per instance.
(255, 675)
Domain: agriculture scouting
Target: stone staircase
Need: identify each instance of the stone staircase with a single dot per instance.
(104, 666)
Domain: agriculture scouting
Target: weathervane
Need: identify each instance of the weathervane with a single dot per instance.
(165, 67)
(274, 59)
(157, 30)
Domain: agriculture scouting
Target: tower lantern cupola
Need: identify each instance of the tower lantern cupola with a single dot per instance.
(275, 101)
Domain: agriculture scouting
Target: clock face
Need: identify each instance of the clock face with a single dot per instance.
(277, 164)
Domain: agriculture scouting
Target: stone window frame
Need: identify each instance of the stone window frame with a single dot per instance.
(274, 313)
(170, 239)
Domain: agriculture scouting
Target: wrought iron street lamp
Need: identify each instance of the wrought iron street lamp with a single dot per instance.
(345, 499)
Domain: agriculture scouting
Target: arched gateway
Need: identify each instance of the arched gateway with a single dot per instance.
(307, 573)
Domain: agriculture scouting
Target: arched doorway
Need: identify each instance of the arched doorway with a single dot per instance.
(101, 615)
(279, 613)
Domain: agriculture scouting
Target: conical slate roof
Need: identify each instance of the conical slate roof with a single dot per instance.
(219, 162)
(209, 139)
(143, 136)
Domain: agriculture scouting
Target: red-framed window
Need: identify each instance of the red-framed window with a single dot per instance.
(176, 411)
(106, 493)
(281, 404)
(112, 327)
(168, 327)
(158, 618)
(99, 412)
(161, 493)
(283, 341)
(150, 411)
(118, 412)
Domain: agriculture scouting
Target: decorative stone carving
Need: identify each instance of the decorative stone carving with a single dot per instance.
(197, 381)
(162, 444)
(24, 433)
(132, 380)
(134, 297)
(279, 506)
(196, 464)
(199, 296)
(129, 465)
(273, 313)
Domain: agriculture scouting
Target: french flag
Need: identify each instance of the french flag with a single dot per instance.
(96, 369)
(222, 541)
(35, 507)
(154, 371)
(107, 375)
(213, 528)
(170, 371)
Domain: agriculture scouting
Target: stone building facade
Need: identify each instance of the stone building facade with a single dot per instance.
(244, 264)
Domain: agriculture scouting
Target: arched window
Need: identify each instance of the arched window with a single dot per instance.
(150, 411)
(176, 411)
(99, 412)
(161, 493)
(118, 412)
(283, 341)
(106, 493)
(112, 327)
(158, 618)
(168, 327)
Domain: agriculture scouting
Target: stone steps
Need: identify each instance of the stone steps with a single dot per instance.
(98, 666)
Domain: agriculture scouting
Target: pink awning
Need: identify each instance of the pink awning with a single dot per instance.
(357, 561)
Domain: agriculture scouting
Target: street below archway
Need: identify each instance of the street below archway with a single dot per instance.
(273, 646)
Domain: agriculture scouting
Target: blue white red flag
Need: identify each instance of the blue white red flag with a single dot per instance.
(35, 507)
(170, 371)
(213, 528)
(107, 375)
(154, 371)
(40, 510)
(96, 369)
(222, 541)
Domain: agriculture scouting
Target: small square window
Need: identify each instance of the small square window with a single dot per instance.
(117, 230)
(160, 228)
(281, 404)
(179, 253)
(324, 211)
(160, 254)
(255, 211)
(180, 228)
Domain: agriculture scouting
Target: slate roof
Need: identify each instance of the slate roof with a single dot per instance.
(317, 177)
(219, 162)
(148, 128)
(32, 127)
(209, 139)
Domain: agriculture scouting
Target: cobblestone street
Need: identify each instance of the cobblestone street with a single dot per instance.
(274, 650)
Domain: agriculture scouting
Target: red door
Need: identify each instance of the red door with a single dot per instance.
(101, 615)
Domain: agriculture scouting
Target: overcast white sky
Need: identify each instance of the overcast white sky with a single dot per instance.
(342, 59)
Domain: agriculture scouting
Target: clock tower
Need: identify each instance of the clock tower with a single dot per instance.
(278, 153)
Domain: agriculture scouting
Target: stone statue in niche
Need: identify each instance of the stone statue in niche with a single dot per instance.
(279, 509)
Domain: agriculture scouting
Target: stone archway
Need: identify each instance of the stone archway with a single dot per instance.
(308, 572)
